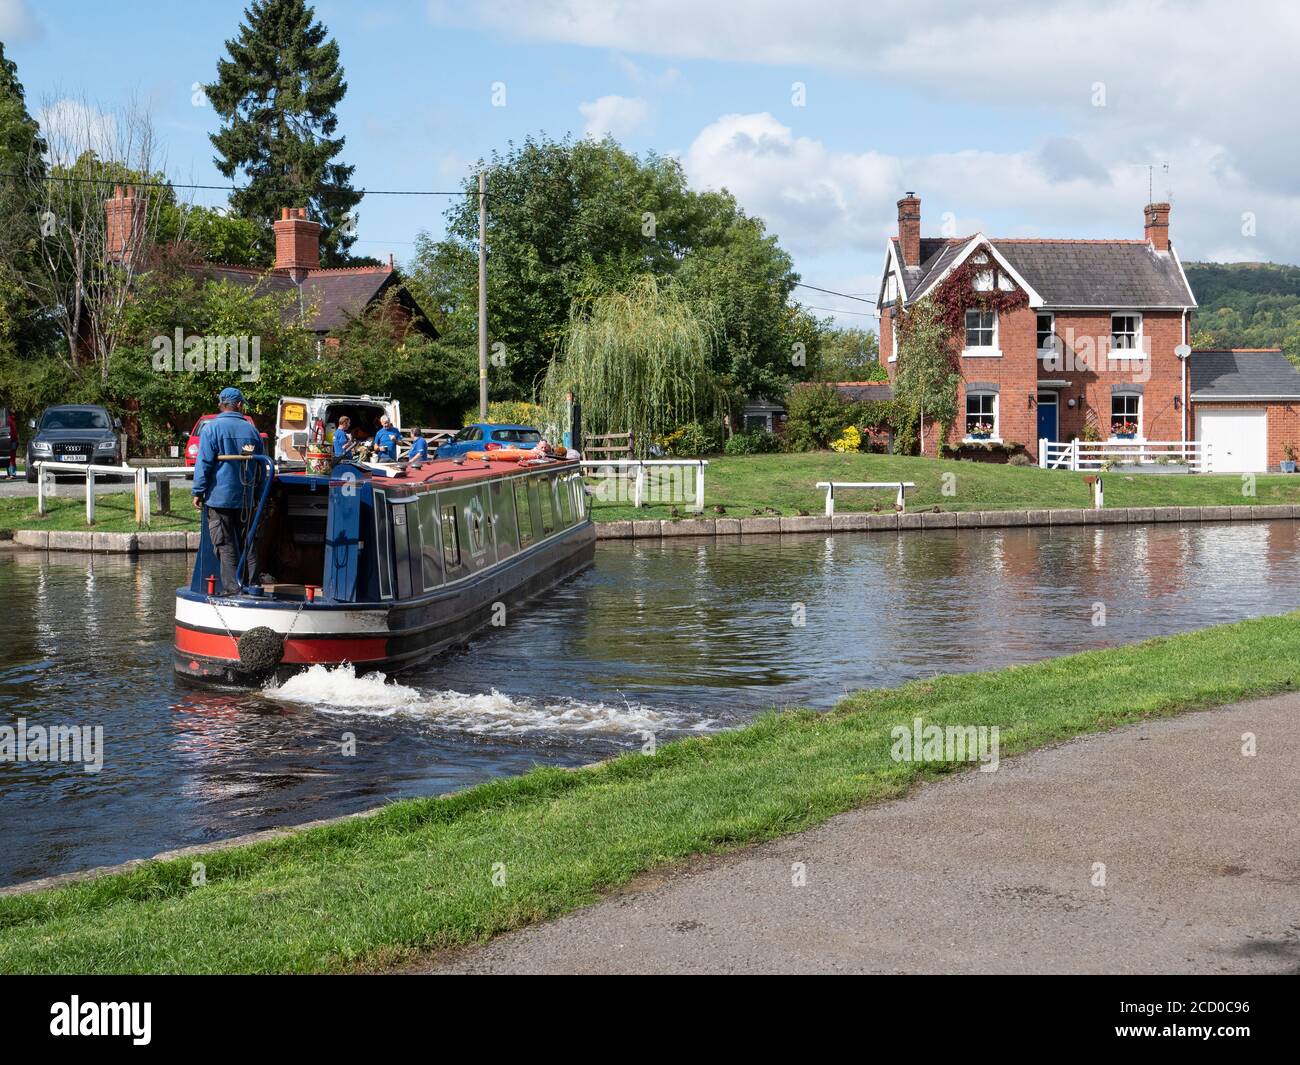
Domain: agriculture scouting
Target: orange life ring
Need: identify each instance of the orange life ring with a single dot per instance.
(503, 454)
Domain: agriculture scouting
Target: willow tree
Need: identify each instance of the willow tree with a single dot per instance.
(637, 359)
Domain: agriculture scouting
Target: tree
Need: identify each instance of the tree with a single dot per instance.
(566, 215)
(277, 93)
(25, 328)
(925, 380)
(81, 269)
(637, 360)
(849, 355)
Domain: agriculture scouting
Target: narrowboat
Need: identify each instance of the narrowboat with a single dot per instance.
(382, 566)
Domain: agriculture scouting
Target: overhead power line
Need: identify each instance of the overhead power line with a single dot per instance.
(219, 188)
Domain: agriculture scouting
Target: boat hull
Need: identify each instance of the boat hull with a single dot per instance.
(390, 636)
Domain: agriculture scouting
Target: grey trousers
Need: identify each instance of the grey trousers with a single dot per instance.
(227, 536)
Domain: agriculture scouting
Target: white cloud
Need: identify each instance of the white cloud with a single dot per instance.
(619, 116)
(822, 202)
(17, 23)
(1222, 73)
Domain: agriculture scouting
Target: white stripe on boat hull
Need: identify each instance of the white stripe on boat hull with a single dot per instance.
(222, 615)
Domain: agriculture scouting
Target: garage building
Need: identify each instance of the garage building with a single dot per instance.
(1245, 403)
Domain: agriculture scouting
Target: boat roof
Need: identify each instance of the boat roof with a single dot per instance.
(436, 471)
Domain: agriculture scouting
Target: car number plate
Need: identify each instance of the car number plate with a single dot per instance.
(72, 458)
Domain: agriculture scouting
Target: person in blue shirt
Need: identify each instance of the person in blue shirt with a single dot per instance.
(386, 440)
(228, 489)
(343, 442)
(419, 448)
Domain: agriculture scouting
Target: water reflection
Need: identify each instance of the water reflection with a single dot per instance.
(663, 637)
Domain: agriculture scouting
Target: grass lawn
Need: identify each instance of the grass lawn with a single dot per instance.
(786, 483)
(113, 513)
(373, 892)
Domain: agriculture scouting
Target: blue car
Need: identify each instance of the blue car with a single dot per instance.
(484, 436)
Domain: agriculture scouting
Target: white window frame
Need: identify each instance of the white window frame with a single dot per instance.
(990, 351)
(1138, 351)
(996, 438)
(893, 340)
(1050, 351)
(1110, 423)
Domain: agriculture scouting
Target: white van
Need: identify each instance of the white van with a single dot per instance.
(298, 419)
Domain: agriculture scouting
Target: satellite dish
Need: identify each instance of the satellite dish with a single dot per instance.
(1183, 350)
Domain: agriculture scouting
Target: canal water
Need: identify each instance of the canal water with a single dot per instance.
(669, 638)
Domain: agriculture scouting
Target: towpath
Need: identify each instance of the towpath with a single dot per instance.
(991, 872)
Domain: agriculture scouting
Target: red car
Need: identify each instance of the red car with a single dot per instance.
(192, 446)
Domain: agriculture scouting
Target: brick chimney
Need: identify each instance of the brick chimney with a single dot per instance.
(1157, 228)
(909, 228)
(123, 225)
(297, 243)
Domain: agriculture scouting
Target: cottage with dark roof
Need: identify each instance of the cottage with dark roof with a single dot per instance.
(329, 297)
(1052, 339)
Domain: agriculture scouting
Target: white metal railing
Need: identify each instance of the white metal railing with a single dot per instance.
(1093, 454)
(833, 486)
(612, 468)
(141, 476)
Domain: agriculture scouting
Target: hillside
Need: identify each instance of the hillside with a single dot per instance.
(1246, 305)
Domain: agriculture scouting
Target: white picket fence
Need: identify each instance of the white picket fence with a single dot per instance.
(1093, 454)
(613, 475)
(142, 478)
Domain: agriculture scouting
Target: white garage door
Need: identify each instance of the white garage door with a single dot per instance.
(1238, 439)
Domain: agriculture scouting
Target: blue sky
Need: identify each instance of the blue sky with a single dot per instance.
(1037, 119)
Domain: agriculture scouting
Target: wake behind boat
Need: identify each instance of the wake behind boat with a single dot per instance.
(383, 566)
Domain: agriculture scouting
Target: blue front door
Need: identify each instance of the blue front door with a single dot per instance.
(1047, 416)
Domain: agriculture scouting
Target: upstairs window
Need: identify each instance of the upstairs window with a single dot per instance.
(1126, 334)
(981, 415)
(981, 329)
(1047, 333)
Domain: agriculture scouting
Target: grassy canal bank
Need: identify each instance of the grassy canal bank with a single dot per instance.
(786, 484)
(424, 874)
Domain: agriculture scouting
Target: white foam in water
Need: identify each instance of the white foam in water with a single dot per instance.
(339, 690)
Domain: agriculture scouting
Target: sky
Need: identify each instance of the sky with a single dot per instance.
(1026, 118)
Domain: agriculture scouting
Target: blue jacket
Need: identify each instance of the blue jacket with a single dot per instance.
(419, 449)
(226, 484)
(386, 442)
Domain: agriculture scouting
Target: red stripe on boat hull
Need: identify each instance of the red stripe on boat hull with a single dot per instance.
(297, 650)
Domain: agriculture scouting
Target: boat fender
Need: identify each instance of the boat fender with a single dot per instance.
(260, 650)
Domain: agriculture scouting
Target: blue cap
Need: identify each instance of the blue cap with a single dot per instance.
(230, 395)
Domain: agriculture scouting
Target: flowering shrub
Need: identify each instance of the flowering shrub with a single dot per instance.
(849, 440)
(980, 429)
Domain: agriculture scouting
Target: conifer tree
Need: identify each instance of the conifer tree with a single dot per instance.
(276, 93)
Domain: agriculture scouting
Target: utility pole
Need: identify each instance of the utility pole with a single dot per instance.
(482, 297)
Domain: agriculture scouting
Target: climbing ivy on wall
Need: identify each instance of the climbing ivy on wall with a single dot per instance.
(958, 294)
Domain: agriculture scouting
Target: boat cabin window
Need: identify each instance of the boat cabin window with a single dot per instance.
(523, 505)
(450, 538)
(579, 497)
(546, 487)
(429, 552)
(383, 540)
(504, 528)
(566, 503)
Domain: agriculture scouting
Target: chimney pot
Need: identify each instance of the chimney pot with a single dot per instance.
(297, 243)
(909, 229)
(1157, 225)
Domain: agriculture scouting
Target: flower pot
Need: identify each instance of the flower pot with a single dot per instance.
(1288, 466)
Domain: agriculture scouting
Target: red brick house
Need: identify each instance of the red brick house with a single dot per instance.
(1052, 339)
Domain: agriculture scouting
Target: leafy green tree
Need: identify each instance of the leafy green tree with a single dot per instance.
(24, 327)
(566, 215)
(815, 415)
(277, 93)
(638, 359)
(925, 380)
(849, 355)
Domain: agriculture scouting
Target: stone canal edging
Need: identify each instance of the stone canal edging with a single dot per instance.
(947, 519)
(147, 542)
